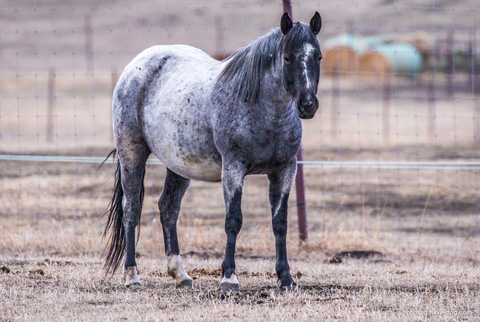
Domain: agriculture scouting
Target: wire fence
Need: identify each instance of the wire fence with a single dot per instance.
(391, 158)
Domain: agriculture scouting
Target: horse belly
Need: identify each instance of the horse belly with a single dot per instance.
(194, 166)
(188, 164)
(184, 144)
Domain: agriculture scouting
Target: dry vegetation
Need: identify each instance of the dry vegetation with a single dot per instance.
(424, 224)
(74, 289)
(424, 227)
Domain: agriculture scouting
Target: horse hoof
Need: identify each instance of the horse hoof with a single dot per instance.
(291, 287)
(229, 284)
(133, 283)
(131, 277)
(229, 287)
(288, 286)
(186, 283)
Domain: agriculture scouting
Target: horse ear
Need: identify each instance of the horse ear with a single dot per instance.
(286, 23)
(316, 23)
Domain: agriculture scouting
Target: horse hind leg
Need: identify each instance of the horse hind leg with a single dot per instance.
(133, 173)
(126, 207)
(169, 205)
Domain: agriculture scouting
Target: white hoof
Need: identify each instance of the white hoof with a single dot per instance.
(176, 270)
(131, 277)
(229, 284)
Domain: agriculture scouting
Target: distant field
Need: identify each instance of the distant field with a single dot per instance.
(82, 116)
(51, 34)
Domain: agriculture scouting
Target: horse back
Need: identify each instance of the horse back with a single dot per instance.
(145, 69)
(163, 98)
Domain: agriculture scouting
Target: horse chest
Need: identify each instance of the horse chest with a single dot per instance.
(271, 148)
(262, 142)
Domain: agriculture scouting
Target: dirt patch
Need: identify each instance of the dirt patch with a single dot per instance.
(359, 254)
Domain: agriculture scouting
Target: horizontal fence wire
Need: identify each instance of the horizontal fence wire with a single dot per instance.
(401, 165)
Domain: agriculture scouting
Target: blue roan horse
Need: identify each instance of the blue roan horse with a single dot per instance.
(212, 121)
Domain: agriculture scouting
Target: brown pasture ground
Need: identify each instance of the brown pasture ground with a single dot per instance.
(423, 224)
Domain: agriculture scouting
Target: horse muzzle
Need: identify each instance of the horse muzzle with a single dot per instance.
(307, 106)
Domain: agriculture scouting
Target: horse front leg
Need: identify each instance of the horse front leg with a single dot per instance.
(232, 182)
(280, 185)
(169, 205)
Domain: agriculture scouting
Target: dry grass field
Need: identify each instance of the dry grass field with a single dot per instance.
(358, 290)
(424, 226)
(385, 244)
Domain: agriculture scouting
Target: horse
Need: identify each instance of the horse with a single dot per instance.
(213, 121)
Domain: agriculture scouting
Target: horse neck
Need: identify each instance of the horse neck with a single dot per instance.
(273, 98)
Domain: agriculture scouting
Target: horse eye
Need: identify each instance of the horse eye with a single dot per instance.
(287, 60)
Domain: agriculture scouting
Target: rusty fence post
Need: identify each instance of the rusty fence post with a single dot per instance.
(299, 181)
(287, 7)
(50, 104)
(301, 203)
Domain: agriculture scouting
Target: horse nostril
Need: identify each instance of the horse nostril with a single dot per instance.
(306, 103)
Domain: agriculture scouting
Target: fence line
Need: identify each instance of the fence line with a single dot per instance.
(400, 165)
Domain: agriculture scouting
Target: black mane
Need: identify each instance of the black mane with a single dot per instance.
(245, 70)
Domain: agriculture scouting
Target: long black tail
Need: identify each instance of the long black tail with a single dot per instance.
(116, 241)
(115, 248)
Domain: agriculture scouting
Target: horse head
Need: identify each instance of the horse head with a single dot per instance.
(301, 55)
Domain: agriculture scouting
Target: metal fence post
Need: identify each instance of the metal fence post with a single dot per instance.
(301, 203)
(299, 182)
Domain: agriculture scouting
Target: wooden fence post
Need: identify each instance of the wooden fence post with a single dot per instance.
(475, 92)
(450, 64)
(431, 119)
(476, 117)
(50, 104)
(335, 104)
(88, 31)
(387, 95)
